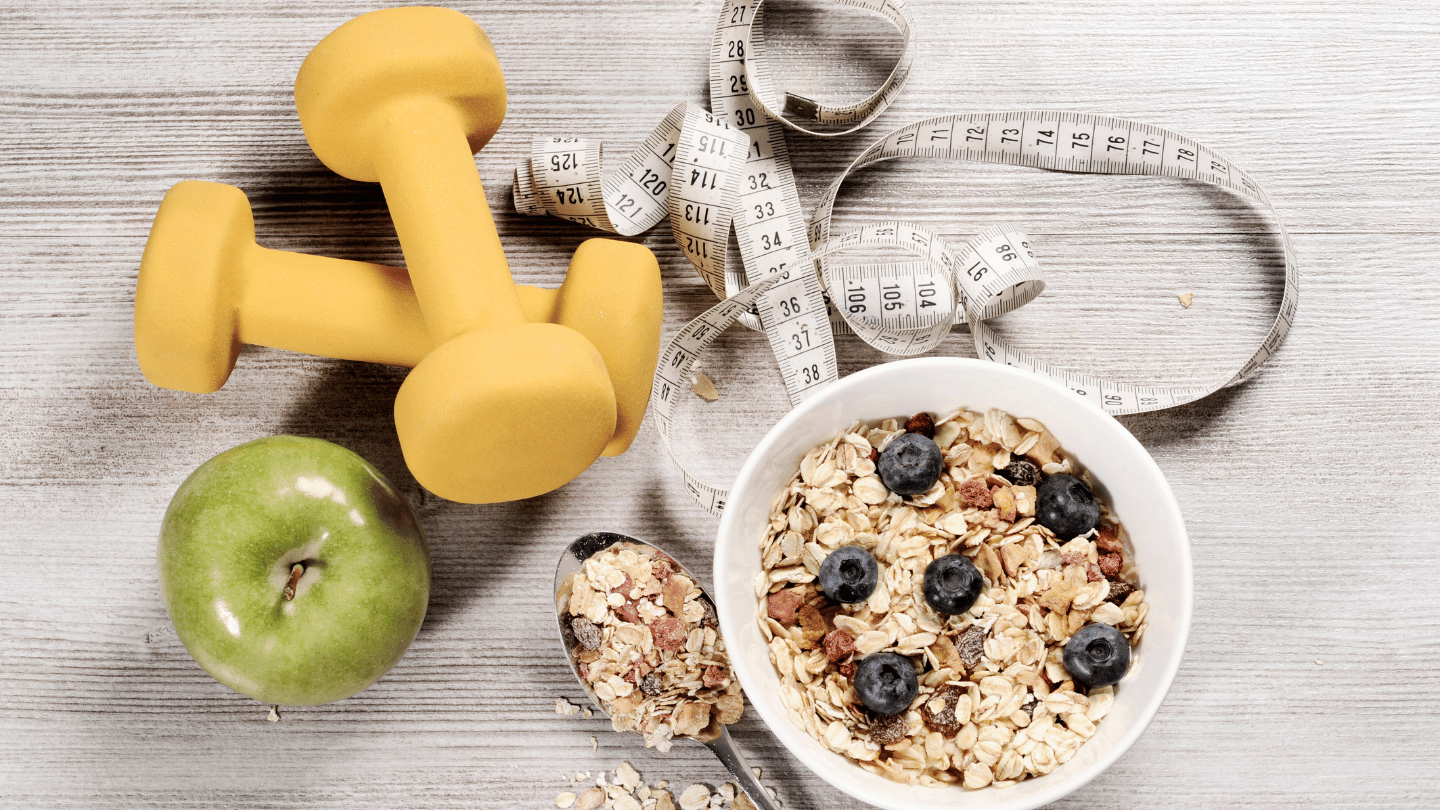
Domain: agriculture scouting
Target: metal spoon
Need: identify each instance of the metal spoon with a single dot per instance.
(717, 738)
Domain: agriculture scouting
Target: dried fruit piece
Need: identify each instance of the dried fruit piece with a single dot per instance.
(672, 593)
(1021, 472)
(888, 728)
(1110, 565)
(782, 605)
(812, 624)
(1107, 540)
(972, 646)
(921, 423)
(1118, 591)
(839, 644)
(710, 619)
(974, 493)
(714, 676)
(586, 632)
(629, 611)
(652, 684)
(624, 587)
(1004, 501)
(704, 388)
(939, 710)
(669, 633)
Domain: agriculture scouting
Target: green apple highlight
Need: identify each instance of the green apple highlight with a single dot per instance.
(293, 571)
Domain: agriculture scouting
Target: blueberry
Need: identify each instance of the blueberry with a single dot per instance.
(1065, 506)
(849, 574)
(886, 682)
(910, 464)
(952, 584)
(1097, 655)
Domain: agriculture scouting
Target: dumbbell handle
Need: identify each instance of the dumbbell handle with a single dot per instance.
(457, 266)
(345, 309)
(330, 307)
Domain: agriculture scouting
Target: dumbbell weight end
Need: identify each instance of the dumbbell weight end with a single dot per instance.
(205, 287)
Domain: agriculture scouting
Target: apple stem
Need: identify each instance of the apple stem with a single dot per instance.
(296, 571)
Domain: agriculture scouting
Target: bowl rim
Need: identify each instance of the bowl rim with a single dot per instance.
(782, 727)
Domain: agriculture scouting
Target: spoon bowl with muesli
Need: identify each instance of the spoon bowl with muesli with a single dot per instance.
(642, 637)
(1098, 556)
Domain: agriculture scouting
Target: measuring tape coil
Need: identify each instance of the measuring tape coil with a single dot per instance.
(711, 172)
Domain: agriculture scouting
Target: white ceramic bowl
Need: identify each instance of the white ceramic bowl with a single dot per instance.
(1129, 482)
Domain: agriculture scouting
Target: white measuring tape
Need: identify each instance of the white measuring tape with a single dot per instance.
(692, 167)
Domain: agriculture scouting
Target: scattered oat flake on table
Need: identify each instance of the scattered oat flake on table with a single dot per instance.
(703, 388)
(695, 797)
(591, 799)
(565, 707)
(564, 800)
(1185, 299)
(274, 715)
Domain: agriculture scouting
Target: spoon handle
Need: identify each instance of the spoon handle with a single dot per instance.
(724, 748)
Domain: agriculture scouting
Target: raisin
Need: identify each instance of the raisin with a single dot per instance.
(1021, 473)
(710, 619)
(886, 729)
(921, 423)
(972, 646)
(1118, 592)
(939, 710)
(586, 632)
(651, 684)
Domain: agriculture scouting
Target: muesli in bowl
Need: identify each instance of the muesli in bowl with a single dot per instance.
(1125, 478)
(945, 601)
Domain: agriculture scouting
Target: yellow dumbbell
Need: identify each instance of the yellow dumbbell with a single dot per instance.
(205, 287)
(501, 409)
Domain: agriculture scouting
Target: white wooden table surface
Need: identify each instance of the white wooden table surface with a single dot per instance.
(1309, 492)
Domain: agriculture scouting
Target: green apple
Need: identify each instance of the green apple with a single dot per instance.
(293, 571)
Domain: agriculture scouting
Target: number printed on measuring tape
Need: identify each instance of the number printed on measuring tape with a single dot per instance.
(711, 171)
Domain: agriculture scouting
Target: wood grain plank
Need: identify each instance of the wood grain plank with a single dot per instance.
(1309, 677)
